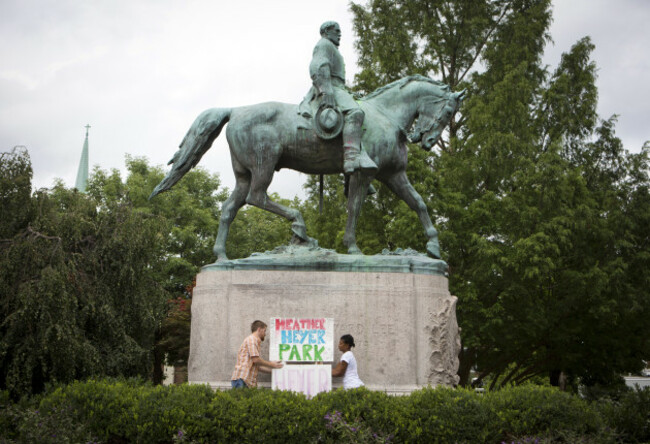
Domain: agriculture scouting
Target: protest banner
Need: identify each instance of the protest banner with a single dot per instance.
(301, 339)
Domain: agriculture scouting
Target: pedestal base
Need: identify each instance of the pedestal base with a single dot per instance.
(404, 324)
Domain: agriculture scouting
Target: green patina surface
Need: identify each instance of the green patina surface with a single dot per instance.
(314, 258)
(369, 144)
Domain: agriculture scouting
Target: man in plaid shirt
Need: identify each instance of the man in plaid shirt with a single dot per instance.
(249, 361)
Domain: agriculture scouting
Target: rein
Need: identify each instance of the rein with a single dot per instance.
(411, 138)
(390, 119)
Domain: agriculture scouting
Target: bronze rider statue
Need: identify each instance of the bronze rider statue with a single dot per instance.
(327, 71)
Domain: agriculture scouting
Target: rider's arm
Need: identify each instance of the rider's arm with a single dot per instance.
(319, 69)
(323, 79)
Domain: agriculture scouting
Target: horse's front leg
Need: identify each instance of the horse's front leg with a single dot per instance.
(356, 195)
(401, 186)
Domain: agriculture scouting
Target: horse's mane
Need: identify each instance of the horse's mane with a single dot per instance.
(405, 81)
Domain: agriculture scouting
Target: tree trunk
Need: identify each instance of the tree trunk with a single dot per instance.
(466, 358)
(158, 362)
(558, 379)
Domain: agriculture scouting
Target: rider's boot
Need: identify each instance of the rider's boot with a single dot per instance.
(354, 159)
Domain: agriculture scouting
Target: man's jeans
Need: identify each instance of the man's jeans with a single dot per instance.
(239, 383)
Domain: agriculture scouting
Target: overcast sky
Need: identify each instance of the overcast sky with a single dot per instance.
(140, 71)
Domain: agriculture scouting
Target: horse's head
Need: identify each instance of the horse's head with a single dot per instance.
(434, 114)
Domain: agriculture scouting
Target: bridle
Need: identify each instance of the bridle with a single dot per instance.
(416, 137)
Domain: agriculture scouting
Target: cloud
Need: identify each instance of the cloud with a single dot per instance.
(140, 72)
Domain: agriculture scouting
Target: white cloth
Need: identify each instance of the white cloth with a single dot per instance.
(351, 378)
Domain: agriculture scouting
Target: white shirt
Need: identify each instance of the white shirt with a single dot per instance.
(351, 378)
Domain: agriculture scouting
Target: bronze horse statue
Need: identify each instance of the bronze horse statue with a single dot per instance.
(266, 137)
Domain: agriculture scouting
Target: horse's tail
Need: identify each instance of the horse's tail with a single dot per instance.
(197, 141)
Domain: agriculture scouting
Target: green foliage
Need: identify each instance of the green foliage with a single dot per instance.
(628, 414)
(257, 230)
(543, 215)
(533, 410)
(190, 213)
(339, 430)
(361, 408)
(130, 411)
(80, 293)
(15, 191)
(435, 415)
(329, 226)
(175, 331)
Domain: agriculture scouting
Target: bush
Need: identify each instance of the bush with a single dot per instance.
(108, 407)
(9, 416)
(542, 411)
(629, 415)
(118, 411)
(444, 415)
(358, 415)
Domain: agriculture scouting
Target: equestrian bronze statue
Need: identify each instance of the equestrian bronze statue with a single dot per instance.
(329, 133)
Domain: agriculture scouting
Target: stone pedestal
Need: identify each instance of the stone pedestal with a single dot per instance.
(403, 322)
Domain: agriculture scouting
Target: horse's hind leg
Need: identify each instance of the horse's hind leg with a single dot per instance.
(228, 212)
(260, 181)
(401, 186)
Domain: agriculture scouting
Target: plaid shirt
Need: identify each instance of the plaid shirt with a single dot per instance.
(245, 368)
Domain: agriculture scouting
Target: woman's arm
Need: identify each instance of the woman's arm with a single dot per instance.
(340, 369)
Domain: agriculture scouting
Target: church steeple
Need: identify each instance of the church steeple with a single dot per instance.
(82, 173)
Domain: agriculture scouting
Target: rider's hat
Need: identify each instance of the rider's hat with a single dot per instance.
(328, 122)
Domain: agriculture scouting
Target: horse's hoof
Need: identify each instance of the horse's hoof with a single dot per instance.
(221, 257)
(355, 251)
(309, 242)
(433, 250)
(220, 254)
(299, 231)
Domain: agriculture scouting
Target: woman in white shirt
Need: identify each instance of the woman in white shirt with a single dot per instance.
(347, 366)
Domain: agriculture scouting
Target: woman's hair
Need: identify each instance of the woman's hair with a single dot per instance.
(348, 339)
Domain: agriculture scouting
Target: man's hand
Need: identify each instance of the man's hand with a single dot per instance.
(328, 101)
(277, 364)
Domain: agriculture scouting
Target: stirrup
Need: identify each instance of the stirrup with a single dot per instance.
(366, 164)
(356, 160)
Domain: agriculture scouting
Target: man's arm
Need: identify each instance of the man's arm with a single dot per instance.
(261, 362)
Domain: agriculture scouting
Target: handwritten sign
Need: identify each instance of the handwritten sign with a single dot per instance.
(308, 379)
(302, 339)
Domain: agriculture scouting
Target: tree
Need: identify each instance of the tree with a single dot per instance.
(329, 227)
(79, 295)
(257, 230)
(15, 191)
(190, 212)
(532, 198)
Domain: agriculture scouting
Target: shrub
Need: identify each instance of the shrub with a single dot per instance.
(358, 415)
(9, 416)
(542, 411)
(109, 407)
(445, 415)
(118, 411)
(629, 415)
